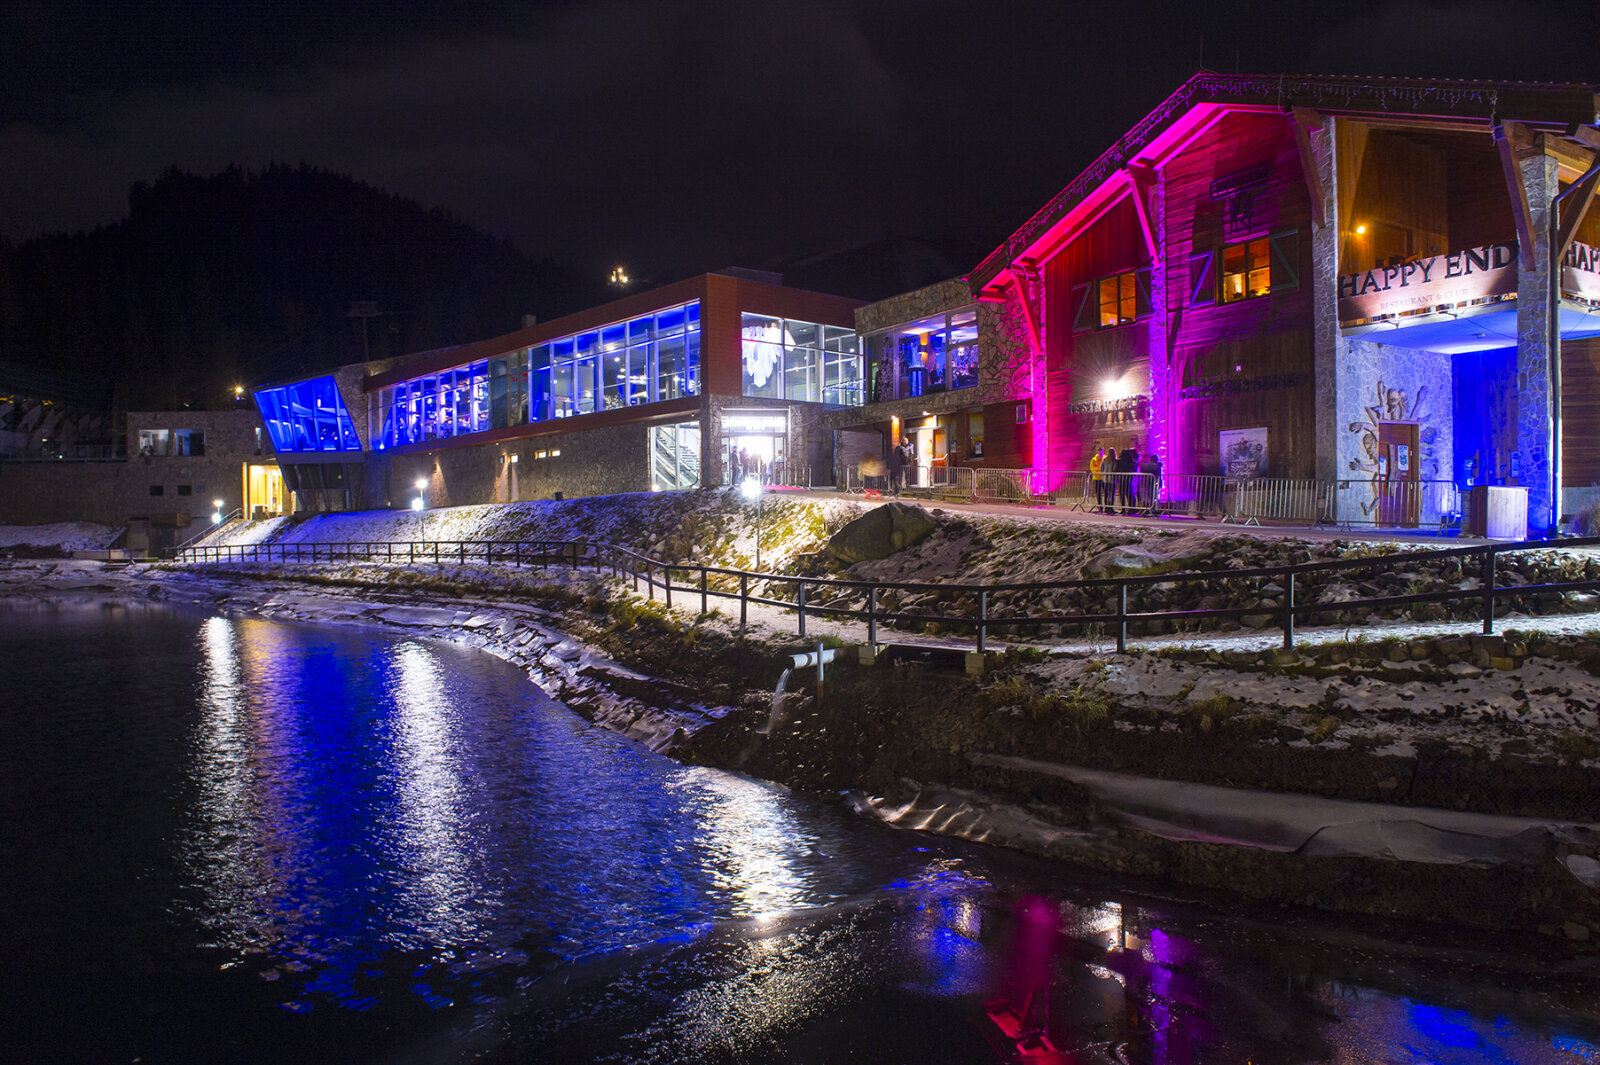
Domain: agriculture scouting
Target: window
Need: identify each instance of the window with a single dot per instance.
(189, 442)
(1120, 299)
(786, 359)
(1118, 303)
(655, 356)
(157, 490)
(184, 490)
(1246, 270)
(154, 441)
(935, 354)
(306, 416)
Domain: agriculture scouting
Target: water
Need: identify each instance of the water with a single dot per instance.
(227, 839)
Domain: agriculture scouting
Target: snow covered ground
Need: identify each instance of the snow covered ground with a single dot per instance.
(67, 536)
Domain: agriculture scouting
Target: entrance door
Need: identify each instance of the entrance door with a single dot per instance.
(1399, 474)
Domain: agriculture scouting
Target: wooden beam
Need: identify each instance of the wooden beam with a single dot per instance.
(1029, 318)
(1140, 178)
(1581, 192)
(1301, 122)
(1588, 135)
(1513, 140)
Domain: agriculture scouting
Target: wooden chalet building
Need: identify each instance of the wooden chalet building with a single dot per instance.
(1348, 281)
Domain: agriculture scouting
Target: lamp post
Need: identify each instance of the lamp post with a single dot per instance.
(417, 504)
(216, 515)
(750, 488)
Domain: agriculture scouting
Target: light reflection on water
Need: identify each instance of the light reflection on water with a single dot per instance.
(327, 824)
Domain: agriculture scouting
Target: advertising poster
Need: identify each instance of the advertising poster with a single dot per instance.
(1244, 452)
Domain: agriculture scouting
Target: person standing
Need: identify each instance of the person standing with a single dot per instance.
(897, 468)
(1096, 461)
(1129, 465)
(1152, 467)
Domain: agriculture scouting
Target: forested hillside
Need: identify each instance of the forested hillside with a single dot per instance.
(246, 277)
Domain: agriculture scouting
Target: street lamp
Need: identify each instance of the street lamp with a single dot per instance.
(750, 488)
(416, 505)
(216, 515)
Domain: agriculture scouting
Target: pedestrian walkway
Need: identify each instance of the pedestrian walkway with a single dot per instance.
(1049, 512)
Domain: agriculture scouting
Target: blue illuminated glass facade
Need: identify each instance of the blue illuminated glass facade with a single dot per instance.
(308, 416)
(641, 360)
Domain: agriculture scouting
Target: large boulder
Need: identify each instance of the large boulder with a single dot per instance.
(879, 533)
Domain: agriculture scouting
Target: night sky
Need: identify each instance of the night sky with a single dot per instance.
(671, 135)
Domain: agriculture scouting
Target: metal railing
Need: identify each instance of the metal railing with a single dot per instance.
(210, 530)
(1280, 592)
(1398, 504)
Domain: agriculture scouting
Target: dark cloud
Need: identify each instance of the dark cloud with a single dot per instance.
(1513, 40)
(673, 135)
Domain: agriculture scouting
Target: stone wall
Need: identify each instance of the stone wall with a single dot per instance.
(1008, 367)
(125, 491)
(590, 462)
(912, 306)
(1381, 382)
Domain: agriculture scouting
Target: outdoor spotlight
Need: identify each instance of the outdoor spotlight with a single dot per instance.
(217, 503)
(416, 504)
(750, 488)
(216, 517)
(422, 484)
(1361, 228)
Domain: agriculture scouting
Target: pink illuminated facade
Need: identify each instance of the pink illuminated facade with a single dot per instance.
(1337, 282)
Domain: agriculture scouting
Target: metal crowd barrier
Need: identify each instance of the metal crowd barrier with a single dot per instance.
(1398, 504)
(1304, 502)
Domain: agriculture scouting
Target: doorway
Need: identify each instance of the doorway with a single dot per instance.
(754, 445)
(1399, 474)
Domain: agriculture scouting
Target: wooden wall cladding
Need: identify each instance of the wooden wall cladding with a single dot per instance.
(1580, 412)
(1007, 443)
(1245, 382)
(1198, 223)
(1112, 245)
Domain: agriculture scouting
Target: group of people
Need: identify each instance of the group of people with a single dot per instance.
(1118, 479)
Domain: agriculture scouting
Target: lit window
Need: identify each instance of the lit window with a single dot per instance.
(1111, 301)
(1118, 303)
(1246, 270)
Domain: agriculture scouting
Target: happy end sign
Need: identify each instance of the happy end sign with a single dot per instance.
(1580, 272)
(1441, 281)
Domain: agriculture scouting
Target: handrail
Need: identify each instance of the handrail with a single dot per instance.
(626, 563)
(216, 526)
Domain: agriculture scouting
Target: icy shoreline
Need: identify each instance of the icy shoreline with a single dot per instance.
(1544, 881)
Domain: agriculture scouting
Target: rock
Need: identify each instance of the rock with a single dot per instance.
(1398, 653)
(1575, 931)
(1496, 662)
(1463, 669)
(1585, 868)
(879, 533)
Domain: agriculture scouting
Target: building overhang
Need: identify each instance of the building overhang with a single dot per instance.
(1472, 329)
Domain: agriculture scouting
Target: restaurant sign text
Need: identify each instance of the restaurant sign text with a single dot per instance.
(1440, 281)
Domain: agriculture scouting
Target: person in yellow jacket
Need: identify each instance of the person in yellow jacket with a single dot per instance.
(1097, 460)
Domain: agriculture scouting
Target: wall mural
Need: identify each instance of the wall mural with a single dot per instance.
(1394, 405)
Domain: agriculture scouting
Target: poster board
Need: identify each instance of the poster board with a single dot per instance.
(1244, 452)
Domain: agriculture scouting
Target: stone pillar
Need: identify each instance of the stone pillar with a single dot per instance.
(1538, 348)
(1324, 281)
(710, 441)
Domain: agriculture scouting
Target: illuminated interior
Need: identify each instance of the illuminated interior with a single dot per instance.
(308, 416)
(647, 359)
(786, 359)
(937, 354)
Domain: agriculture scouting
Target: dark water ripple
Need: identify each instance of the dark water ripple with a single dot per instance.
(231, 839)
